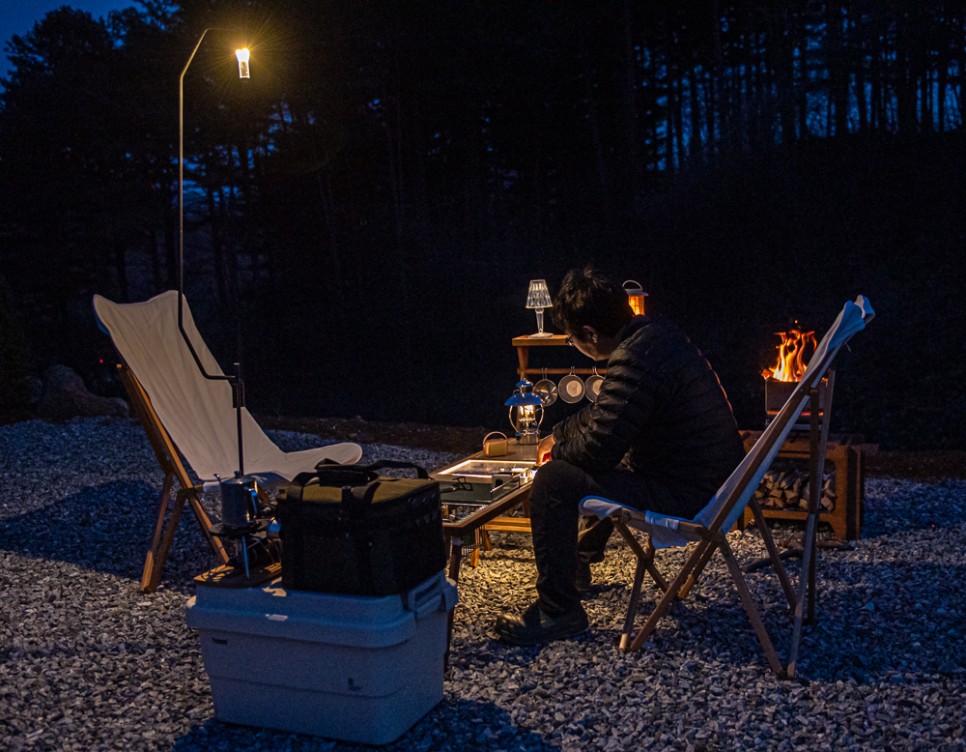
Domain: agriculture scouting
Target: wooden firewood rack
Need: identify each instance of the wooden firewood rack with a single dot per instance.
(845, 452)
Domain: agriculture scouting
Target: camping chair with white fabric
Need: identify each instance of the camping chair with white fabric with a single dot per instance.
(709, 528)
(186, 414)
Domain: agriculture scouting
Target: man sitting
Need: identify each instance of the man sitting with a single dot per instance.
(661, 434)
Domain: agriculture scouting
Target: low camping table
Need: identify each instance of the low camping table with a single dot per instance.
(468, 516)
(474, 514)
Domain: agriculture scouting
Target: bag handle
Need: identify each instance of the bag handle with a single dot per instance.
(331, 473)
(356, 501)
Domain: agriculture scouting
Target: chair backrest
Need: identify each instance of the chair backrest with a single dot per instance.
(733, 496)
(196, 412)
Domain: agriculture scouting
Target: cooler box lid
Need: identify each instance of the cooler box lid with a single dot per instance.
(333, 619)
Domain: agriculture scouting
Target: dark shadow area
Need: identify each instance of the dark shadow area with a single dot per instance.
(895, 621)
(108, 529)
(881, 620)
(454, 725)
(892, 508)
(863, 633)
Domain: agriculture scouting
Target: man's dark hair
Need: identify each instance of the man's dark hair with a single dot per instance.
(588, 298)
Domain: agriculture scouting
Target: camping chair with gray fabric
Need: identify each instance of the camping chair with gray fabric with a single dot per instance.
(708, 529)
(188, 415)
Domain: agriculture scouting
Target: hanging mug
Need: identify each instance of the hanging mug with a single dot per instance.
(571, 387)
(592, 385)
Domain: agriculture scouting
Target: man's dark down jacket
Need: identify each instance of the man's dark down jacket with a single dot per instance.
(663, 412)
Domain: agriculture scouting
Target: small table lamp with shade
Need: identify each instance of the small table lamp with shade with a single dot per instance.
(538, 299)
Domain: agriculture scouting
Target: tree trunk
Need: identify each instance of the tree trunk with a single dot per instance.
(629, 104)
(836, 60)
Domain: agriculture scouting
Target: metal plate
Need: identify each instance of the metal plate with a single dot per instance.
(592, 386)
(571, 388)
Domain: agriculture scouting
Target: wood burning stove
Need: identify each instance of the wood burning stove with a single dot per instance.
(778, 392)
(784, 491)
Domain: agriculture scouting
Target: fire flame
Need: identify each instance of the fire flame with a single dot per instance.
(791, 362)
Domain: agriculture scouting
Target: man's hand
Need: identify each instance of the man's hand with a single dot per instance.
(544, 448)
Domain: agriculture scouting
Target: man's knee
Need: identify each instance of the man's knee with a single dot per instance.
(555, 474)
(558, 481)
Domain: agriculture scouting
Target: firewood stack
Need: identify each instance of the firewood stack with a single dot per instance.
(786, 485)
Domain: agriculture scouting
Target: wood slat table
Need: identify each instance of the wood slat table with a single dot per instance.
(492, 515)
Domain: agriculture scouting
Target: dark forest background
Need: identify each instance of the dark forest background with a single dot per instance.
(363, 214)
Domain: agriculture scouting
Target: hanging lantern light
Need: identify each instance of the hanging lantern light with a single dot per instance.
(635, 296)
(525, 413)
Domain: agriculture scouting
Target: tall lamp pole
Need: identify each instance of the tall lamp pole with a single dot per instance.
(237, 385)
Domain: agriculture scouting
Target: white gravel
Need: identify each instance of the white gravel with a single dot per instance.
(89, 663)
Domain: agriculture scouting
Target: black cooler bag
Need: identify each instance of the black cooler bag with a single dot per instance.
(346, 529)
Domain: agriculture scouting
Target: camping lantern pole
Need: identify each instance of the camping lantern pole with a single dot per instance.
(237, 384)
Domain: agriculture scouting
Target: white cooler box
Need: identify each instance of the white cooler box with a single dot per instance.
(355, 668)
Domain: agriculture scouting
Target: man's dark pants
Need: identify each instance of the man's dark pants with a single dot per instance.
(554, 518)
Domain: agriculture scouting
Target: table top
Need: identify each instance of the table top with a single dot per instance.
(485, 512)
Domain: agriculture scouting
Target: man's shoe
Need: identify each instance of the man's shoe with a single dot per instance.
(534, 626)
(583, 579)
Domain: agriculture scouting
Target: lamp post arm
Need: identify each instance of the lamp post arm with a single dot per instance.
(237, 384)
(184, 71)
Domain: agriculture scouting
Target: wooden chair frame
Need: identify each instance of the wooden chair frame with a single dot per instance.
(169, 510)
(801, 602)
(712, 537)
(185, 414)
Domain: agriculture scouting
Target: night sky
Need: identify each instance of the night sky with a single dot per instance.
(19, 16)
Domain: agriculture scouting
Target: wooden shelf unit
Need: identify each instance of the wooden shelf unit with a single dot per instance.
(525, 342)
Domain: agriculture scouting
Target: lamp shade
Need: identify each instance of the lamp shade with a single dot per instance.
(538, 295)
(523, 396)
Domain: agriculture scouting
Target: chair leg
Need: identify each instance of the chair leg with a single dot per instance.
(485, 541)
(670, 594)
(482, 542)
(699, 557)
(773, 554)
(645, 554)
(151, 561)
(151, 579)
(164, 530)
(805, 601)
(475, 554)
(748, 602)
(632, 604)
(699, 566)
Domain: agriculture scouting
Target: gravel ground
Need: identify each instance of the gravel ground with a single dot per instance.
(89, 663)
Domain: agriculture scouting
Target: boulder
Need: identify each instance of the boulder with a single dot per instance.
(65, 395)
